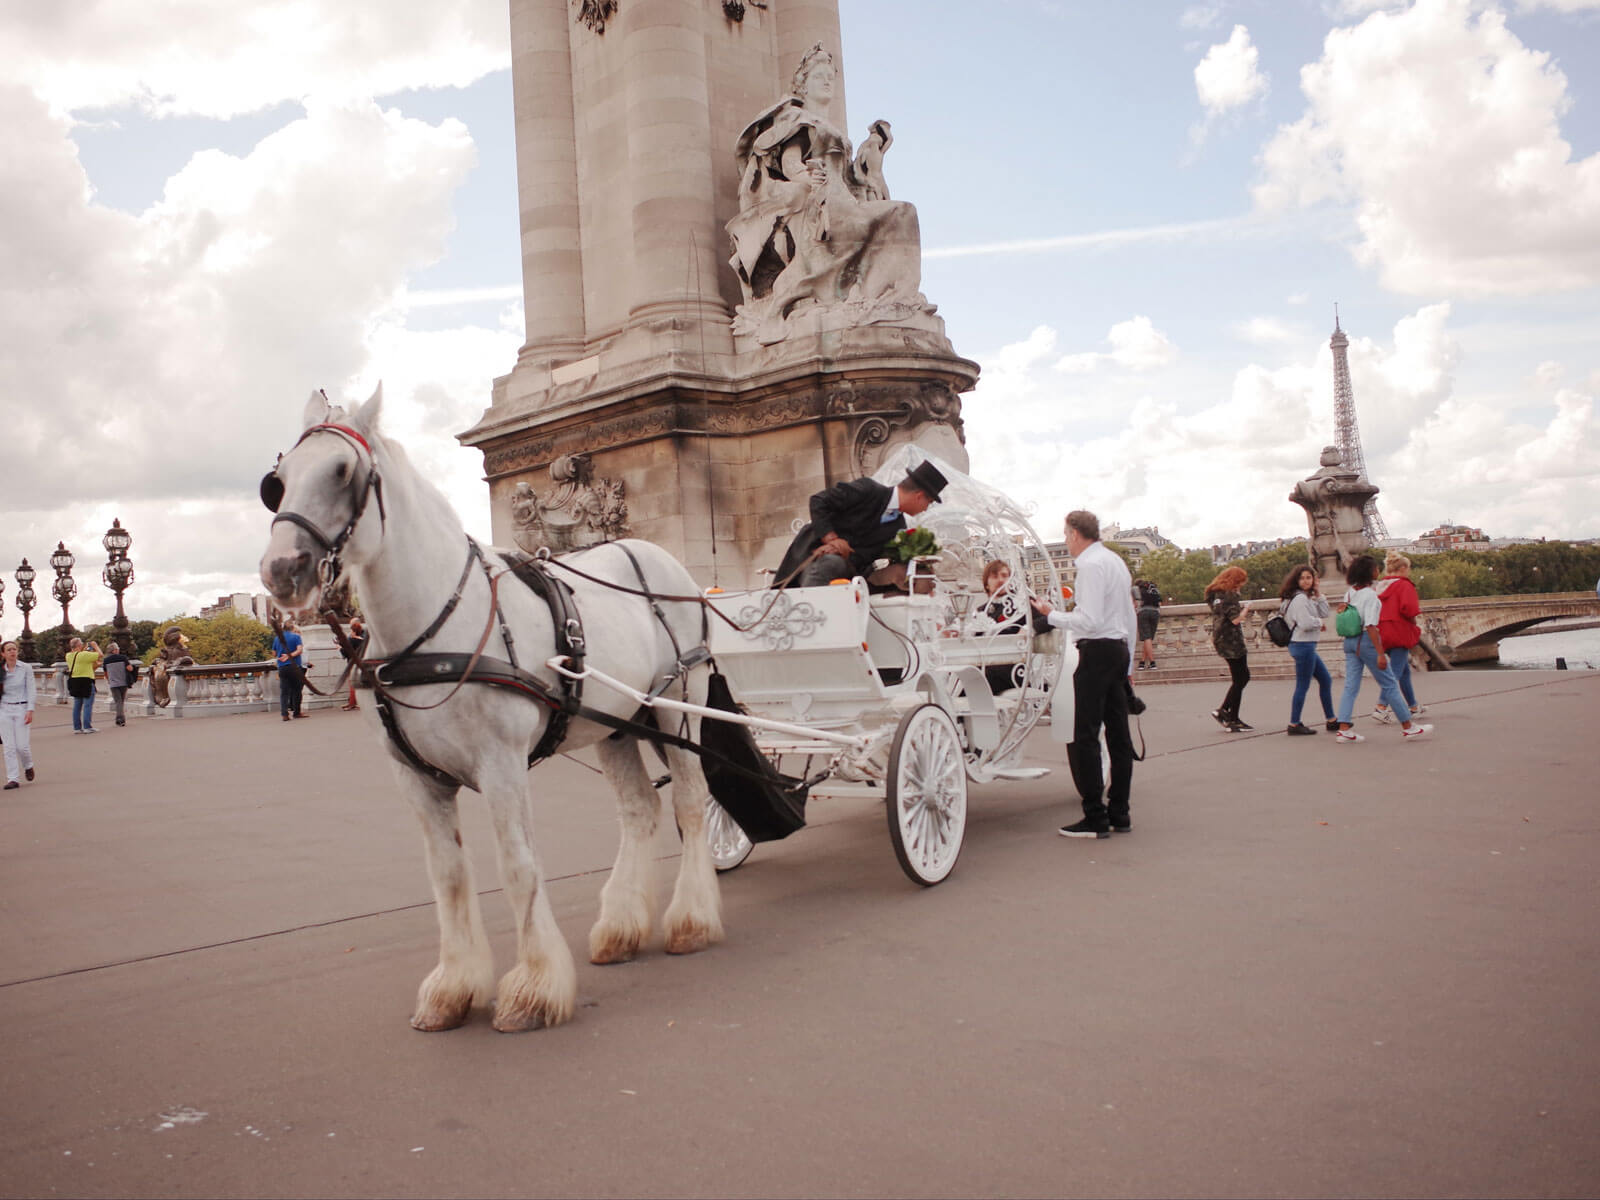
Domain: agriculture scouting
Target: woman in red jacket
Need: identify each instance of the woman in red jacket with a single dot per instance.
(1398, 628)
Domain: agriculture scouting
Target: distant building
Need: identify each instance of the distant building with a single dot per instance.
(256, 607)
(1039, 574)
(1452, 537)
(1137, 542)
(1229, 552)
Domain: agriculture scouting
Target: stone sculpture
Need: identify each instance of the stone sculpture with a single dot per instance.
(582, 511)
(1334, 499)
(818, 242)
(174, 653)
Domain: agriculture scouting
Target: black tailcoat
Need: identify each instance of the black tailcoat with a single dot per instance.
(852, 510)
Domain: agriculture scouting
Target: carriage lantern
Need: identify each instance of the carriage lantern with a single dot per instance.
(63, 588)
(25, 601)
(118, 572)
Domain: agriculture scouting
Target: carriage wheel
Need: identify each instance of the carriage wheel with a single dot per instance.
(927, 794)
(729, 844)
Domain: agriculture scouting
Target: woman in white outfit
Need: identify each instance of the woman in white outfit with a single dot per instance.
(17, 699)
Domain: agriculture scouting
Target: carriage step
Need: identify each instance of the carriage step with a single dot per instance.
(1021, 773)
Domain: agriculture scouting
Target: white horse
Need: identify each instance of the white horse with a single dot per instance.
(349, 500)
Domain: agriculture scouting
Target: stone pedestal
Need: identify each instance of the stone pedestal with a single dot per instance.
(633, 409)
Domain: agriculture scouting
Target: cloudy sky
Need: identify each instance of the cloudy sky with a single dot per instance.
(1137, 217)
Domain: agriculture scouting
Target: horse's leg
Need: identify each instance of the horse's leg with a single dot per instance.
(541, 988)
(694, 917)
(466, 966)
(625, 903)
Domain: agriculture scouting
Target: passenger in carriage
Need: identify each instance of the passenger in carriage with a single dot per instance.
(1008, 612)
(852, 523)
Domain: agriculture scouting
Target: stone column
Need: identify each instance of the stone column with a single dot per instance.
(669, 161)
(547, 181)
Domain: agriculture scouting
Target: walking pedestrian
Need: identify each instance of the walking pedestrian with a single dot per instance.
(1398, 628)
(358, 645)
(1306, 611)
(1365, 649)
(119, 678)
(1148, 597)
(1103, 628)
(1227, 639)
(18, 696)
(289, 650)
(81, 664)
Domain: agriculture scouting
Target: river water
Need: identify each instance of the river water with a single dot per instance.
(1539, 651)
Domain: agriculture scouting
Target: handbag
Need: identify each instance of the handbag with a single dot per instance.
(1278, 629)
(1348, 623)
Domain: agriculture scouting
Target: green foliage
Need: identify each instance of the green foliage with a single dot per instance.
(1181, 577)
(913, 543)
(1267, 569)
(229, 637)
(50, 645)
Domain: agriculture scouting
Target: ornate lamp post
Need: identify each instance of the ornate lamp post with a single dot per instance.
(25, 601)
(118, 573)
(63, 588)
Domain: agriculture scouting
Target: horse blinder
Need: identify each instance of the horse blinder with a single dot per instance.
(271, 491)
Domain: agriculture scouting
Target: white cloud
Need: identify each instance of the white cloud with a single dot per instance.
(163, 359)
(1565, 6)
(1219, 468)
(1228, 75)
(238, 58)
(1441, 129)
(1266, 331)
(1200, 16)
(1136, 344)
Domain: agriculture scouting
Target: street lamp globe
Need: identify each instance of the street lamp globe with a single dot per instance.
(117, 539)
(62, 560)
(25, 574)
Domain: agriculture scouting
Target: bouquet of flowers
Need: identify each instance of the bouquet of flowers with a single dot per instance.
(913, 543)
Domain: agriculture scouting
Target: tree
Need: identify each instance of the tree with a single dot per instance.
(228, 637)
(1181, 577)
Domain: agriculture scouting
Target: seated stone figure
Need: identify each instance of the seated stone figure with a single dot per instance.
(174, 654)
(816, 228)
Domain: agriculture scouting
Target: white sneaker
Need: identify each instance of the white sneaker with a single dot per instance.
(1381, 715)
(1418, 709)
(1418, 731)
(1350, 735)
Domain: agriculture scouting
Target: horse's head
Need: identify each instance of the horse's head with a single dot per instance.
(322, 492)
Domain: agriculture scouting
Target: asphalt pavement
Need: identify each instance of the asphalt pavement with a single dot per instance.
(1311, 970)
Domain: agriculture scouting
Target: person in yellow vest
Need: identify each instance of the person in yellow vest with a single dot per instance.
(81, 664)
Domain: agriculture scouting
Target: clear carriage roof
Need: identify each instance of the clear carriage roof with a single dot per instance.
(967, 504)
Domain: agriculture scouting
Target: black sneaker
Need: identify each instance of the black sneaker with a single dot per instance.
(1300, 731)
(1332, 726)
(1238, 726)
(1125, 827)
(1085, 829)
(1221, 717)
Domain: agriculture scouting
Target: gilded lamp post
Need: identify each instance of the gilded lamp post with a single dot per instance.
(63, 588)
(25, 601)
(118, 573)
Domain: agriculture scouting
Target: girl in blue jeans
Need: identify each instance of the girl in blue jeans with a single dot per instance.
(1305, 610)
(1366, 650)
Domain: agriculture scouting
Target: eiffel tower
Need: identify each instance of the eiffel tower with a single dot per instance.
(1348, 433)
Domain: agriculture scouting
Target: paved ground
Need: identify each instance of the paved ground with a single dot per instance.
(1311, 970)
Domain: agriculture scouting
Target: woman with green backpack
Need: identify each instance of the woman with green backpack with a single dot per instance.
(1363, 647)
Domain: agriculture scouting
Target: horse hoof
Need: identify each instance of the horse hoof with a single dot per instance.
(610, 955)
(439, 1022)
(689, 940)
(523, 1023)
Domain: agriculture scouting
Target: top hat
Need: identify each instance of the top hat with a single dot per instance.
(926, 478)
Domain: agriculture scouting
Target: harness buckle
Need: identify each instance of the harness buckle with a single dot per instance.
(542, 554)
(575, 634)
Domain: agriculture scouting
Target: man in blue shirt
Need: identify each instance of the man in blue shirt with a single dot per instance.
(289, 650)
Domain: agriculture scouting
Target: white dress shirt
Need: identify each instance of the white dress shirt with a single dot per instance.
(1104, 596)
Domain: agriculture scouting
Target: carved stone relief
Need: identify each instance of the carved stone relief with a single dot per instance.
(582, 510)
(818, 244)
(595, 13)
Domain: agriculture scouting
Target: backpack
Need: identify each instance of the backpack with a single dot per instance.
(1348, 623)
(1278, 628)
(1149, 595)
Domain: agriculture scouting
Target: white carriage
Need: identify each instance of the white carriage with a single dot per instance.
(906, 696)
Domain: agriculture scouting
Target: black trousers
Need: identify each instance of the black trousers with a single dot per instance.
(1100, 695)
(1239, 668)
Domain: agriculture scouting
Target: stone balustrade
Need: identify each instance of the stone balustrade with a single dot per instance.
(203, 690)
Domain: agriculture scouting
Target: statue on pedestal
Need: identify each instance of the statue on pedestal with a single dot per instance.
(174, 654)
(816, 228)
(1334, 499)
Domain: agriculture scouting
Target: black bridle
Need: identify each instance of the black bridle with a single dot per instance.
(330, 566)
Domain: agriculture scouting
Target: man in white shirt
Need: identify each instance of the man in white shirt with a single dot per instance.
(1104, 629)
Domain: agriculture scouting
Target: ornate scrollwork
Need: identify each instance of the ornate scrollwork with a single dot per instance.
(582, 511)
(595, 13)
(783, 622)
